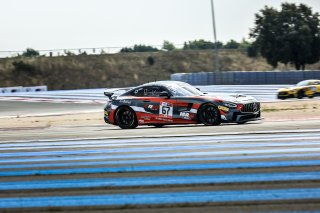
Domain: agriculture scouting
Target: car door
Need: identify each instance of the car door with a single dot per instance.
(158, 109)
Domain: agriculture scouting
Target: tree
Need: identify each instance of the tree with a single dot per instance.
(291, 35)
(30, 53)
(168, 46)
(139, 48)
(232, 44)
(201, 45)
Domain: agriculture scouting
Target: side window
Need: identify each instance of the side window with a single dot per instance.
(152, 91)
(149, 91)
(138, 92)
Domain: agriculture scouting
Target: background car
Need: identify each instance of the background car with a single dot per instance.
(306, 88)
(173, 102)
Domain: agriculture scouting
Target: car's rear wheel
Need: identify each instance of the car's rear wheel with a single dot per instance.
(209, 115)
(126, 118)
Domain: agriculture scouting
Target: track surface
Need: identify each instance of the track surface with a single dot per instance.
(256, 167)
(173, 169)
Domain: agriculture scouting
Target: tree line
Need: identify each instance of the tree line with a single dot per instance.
(290, 35)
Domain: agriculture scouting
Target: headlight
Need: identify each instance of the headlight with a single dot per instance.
(229, 104)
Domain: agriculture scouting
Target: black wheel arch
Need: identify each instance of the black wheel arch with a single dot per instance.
(204, 103)
(116, 111)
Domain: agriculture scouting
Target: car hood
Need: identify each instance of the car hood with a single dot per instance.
(235, 98)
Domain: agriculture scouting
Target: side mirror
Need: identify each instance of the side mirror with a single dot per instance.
(164, 94)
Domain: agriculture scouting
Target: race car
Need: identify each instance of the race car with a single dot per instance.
(173, 102)
(306, 88)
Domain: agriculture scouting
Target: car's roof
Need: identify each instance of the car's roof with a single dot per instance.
(311, 80)
(163, 83)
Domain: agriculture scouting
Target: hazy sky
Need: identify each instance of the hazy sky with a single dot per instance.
(59, 24)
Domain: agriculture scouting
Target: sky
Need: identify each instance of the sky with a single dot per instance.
(73, 24)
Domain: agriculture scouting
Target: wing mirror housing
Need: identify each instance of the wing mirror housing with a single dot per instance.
(164, 94)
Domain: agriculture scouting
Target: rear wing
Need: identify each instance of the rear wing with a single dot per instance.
(113, 93)
(108, 94)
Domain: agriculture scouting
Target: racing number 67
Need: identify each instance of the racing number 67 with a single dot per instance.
(165, 110)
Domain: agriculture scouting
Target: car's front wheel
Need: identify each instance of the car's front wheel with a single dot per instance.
(301, 94)
(126, 118)
(209, 115)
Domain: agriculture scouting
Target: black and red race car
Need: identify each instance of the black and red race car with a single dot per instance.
(172, 102)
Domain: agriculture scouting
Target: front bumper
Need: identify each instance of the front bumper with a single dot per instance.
(247, 117)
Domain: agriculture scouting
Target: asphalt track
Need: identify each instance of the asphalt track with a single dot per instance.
(256, 167)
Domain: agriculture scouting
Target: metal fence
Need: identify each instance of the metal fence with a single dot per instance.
(246, 77)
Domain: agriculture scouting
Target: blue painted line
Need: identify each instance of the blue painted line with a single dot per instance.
(217, 154)
(177, 167)
(150, 149)
(140, 161)
(159, 180)
(162, 198)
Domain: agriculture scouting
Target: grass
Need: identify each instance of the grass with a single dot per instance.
(125, 69)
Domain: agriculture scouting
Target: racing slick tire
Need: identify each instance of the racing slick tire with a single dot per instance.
(300, 94)
(126, 118)
(209, 115)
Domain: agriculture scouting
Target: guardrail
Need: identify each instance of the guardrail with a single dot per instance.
(246, 77)
(19, 89)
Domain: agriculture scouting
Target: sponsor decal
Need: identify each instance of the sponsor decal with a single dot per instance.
(152, 107)
(223, 108)
(163, 119)
(223, 117)
(141, 121)
(147, 118)
(125, 101)
(137, 90)
(185, 115)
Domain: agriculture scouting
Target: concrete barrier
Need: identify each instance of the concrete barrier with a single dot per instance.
(6, 90)
(246, 77)
(35, 89)
(11, 89)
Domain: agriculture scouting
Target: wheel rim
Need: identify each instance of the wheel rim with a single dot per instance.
(126, 117)
(210, 115)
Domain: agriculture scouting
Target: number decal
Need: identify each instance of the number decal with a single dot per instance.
(166, 109)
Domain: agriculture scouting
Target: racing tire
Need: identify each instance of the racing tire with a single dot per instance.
(209, 115)
(300, 94)
(126, 118)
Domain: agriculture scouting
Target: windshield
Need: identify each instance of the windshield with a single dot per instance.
(183, 89)
(303, 83)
